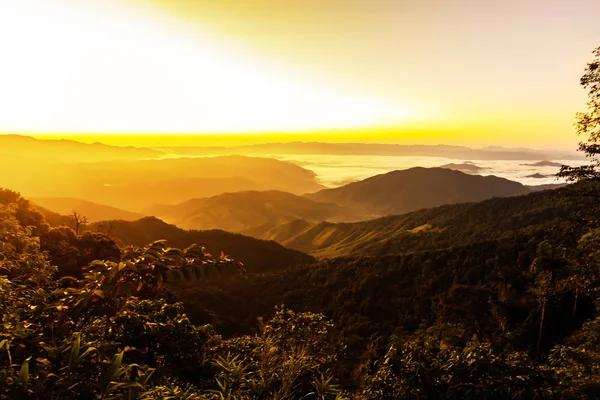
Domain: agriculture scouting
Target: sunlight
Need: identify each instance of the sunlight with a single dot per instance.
(102, 67)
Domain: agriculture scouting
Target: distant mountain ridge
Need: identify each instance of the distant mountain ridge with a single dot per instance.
(136, 184)
(467, 167)
(244, 210)
(447, 151)
(265, 214)
(71, 150)
(402, 191)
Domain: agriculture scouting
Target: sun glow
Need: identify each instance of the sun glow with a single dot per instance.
(96, 66)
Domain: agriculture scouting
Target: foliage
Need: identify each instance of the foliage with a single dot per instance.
(290, 358)
(588, 124)
(78, 338)
(430, 370)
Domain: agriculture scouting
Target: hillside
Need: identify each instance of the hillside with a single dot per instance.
(412, 189)
(92, 211)
(257, 255)
(243, 211)
(430, 228)
(550, 186)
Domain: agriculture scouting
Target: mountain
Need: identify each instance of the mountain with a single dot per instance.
(280, 233)
(537, 175)
(241, 211)
(92, 211)
(19, 146)
(549, 186)
(467, 167)
(380, 149)
(136, 184)
(257, 255)
(429, 228)
(407, 190)
(545, 164)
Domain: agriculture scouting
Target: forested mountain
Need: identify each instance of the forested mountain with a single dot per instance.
(550, 186)
(403, 191)
(257, 255)
(242, 211)
(92, 211)
(430, 228)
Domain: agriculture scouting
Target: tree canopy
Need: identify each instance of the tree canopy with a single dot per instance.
(588, 125)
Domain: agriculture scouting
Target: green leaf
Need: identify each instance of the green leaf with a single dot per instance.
(114, 367)
(24, 372)
(75, 351)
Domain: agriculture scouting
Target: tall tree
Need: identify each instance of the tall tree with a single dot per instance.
(78, 220)
(588, 124)
(546, 265)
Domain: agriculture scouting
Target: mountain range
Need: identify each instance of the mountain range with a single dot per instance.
(432, 228)
(267, 214)
(407, 190)
(240, 211)
(378, 149)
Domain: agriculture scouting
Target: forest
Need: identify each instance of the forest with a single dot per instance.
(491, 296)
(507, 310)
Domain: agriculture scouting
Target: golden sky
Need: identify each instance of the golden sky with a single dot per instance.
(444, 71)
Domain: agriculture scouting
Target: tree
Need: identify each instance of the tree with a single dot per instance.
(549, 259)
(583, 268)
(588, 124)
(78, 220)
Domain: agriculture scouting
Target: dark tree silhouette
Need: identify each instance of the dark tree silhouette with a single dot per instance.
(78, 221)
(588, 124)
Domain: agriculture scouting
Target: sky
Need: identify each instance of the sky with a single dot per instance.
(430, 71)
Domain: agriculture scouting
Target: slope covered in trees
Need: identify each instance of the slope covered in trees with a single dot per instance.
(257, 255)
(440, 226)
